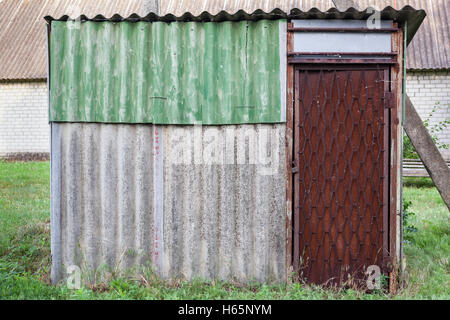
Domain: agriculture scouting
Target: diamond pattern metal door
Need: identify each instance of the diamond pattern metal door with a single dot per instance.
(341, 137)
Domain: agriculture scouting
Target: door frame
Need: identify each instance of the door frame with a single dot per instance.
(396, 73)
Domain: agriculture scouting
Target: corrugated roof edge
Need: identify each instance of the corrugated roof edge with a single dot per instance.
(438, 70)
(23, 79)
(407, 14)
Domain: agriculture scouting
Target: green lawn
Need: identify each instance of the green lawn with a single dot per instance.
(25, 252)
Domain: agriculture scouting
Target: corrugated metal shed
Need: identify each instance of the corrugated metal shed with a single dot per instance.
(190, 201)
(168, 73)
(23, 40)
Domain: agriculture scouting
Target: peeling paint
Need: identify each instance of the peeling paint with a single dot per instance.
(167, 73)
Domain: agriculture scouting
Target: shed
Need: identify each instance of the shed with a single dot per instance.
(239, 146)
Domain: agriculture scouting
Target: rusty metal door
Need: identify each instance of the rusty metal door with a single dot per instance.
(341, 181)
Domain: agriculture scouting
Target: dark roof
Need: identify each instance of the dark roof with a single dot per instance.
(23, 35)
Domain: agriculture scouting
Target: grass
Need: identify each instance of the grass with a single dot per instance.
(428, 272)
(25, 252)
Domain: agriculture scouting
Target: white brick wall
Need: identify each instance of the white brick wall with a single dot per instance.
(426, 89)
(24, 118)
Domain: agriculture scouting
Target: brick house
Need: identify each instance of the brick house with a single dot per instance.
(24, 130)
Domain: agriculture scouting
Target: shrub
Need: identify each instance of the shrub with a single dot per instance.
(408, 227)
(408, 149)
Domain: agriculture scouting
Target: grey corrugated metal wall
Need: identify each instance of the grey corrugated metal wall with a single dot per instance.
(123, 194)
(101, 195)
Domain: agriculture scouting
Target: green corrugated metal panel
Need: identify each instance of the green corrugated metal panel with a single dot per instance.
(166, 73)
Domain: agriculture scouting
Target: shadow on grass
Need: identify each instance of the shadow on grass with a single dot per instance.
(418, 182)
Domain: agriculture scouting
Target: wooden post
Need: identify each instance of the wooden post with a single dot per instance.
(397, 43)
(427, 151)
(289, 156)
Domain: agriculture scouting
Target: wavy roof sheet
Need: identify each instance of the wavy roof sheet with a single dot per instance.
(406, 14)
